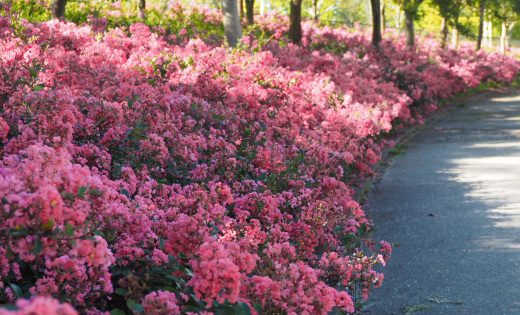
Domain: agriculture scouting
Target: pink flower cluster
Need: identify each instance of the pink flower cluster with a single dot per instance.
(40, 306)
(126, 149)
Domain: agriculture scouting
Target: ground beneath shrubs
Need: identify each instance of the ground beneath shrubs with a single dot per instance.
(451, 208)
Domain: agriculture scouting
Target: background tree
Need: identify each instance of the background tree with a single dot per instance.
(58, 8)
(383, 20)
(482, 9)
(410, 8)
(232, 27)
(295, 17)
(376, 22)
(142, 7)
(507, 12)
(250, 4)
(450, 11)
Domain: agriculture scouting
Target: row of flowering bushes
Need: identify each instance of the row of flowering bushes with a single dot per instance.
(162, 174)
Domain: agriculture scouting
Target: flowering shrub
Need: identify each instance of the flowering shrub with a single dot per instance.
(158, 175)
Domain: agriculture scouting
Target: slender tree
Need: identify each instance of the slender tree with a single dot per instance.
(316, 10)
(58, 8)
(482, 9)
(450, 12)
(444, 32)
(507, 11)
(383, 18)
(250, 4)
(142, 7)
(410, 8)
(232, 27)
(376, 22)
(295, 17)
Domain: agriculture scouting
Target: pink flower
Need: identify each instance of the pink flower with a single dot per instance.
(40, 306)
(161, 303)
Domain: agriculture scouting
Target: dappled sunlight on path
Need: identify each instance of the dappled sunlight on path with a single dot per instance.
(495, 181)
(452, 205)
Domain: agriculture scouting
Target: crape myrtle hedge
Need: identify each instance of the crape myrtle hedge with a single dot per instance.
(153, 172)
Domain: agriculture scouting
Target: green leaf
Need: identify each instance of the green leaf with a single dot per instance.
(85, 226)
(37, 245)
(73, 243)
(47, 226)
(226, 310)
(244, 308)
(129, 101)
(89, 238)
(16, 289)
(219, 117)
(171, 167)
(161, 244)
(121, 291)
(9, 253)
(168, 288)
(100, 233)
(69, 230)
(134, 306)
(38, 87)
(117, 311)
(67, 196)
(81, 191)
(190, 308)
(257, 307)
(9, 307)
(32, 71)
(125, 192)
(95, 192)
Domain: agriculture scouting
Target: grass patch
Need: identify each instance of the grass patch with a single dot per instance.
(437, 300)
(411, 309)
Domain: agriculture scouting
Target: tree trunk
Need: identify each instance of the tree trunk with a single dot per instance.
(58, 8)
(376, 22)
(490, 34)
(398, 17)
(295, 28)
(454, 37)
(231, 20)
(444, 33)
(509, 34)
(503, 38)
(241, 8)
(383, 19)
(316, 13)
(408, 28)
(455, 32)
(250, 4)
(481, 24)
(142, 6)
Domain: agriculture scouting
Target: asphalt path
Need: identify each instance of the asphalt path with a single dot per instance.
(451, 208)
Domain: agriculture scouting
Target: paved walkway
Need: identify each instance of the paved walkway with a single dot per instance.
(453, 205)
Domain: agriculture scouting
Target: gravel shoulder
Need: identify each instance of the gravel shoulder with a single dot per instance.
(452, 205)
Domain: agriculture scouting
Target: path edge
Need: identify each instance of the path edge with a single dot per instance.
(360, 195)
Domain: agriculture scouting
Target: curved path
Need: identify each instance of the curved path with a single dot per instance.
(452, 203)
